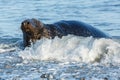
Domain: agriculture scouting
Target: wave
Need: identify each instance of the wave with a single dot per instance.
(10, 45)
(74, 48)
(6, 48)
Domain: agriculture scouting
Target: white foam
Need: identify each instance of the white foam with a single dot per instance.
(6, 48)
(74, 48)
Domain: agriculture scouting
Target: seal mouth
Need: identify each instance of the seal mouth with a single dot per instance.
(28, 27)
(32, 30)
(29, 33)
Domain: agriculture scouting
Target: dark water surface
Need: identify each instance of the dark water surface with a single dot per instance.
(69, 58)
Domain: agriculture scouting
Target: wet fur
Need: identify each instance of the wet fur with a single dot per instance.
(34, 29)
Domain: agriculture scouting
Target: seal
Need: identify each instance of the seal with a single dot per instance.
(34, 29)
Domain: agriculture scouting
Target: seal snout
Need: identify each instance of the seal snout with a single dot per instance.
(27, 27)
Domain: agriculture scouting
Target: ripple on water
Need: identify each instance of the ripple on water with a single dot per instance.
(76, 58)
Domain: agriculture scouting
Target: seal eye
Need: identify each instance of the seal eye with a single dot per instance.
(28, 22)
(22, 23)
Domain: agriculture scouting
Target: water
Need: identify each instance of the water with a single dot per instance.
(69, 58)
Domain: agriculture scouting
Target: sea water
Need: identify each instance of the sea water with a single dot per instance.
(69, 58)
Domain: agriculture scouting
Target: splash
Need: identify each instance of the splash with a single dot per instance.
(6, 48)
(74, 48)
